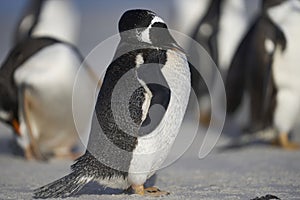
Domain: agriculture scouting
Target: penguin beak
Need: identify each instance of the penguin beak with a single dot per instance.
(16, 127)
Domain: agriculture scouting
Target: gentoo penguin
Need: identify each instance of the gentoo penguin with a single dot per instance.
(49, 18)
(286, 72)
(41, 73)
(138, 113)
(254, 69)
(40, 20)
(205, 33)
(213, 30)
(41, 23)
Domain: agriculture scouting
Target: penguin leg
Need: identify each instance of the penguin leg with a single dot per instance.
(150, 191)
(138, 189)
(29, 155)
(34, 148)
(284, 142)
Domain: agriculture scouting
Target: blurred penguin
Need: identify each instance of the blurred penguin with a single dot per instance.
(36, 84)
(286, 72)
(49, 18)
(211, 24)
(265, 65)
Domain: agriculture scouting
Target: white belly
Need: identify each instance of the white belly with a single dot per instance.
(49, 78)
(286, 68)
(152, 149)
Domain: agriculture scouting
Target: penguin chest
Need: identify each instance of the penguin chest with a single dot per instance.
(46, 81)
(152, 149)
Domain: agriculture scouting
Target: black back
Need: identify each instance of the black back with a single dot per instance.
(122, 89)
(123, 138)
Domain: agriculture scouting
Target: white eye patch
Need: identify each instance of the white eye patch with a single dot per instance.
(145, 35)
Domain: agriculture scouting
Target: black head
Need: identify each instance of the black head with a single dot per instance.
(145, 26)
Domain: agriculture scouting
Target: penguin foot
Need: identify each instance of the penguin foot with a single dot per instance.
(150, 191)
(155, 192)
(284, 142)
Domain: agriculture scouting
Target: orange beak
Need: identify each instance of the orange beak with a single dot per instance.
(16, 126)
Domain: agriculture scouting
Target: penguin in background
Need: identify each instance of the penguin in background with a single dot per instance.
(185, 15)
(214, 33)
(36, 84)
(255, 69)
(40, 20)
(286, 73)
(138, 113)
(49, 18)
(42, 76)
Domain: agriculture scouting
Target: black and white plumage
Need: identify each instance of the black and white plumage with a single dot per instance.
(251, 68)
(260, 63)
(213, 22)
(46, 25)
(49, 18)
(41, 72)
(138, 112)
(8, 88)
(286, 72)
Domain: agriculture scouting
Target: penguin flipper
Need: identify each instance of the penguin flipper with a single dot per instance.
(235, 86)
(198, 84)
(235, 83)
(160, 94)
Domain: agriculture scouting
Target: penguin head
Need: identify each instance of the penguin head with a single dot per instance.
(145, 26)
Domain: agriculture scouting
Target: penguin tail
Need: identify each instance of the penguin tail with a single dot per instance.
(63, 187)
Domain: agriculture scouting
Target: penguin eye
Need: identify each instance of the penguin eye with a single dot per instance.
(159, 25)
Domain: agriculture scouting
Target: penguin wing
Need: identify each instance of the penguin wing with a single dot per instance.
(235, 83)
(156, 96)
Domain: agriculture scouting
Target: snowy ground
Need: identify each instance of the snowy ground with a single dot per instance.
(245, 173)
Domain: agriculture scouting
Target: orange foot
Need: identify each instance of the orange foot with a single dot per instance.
(283, 142)
(150, 191)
